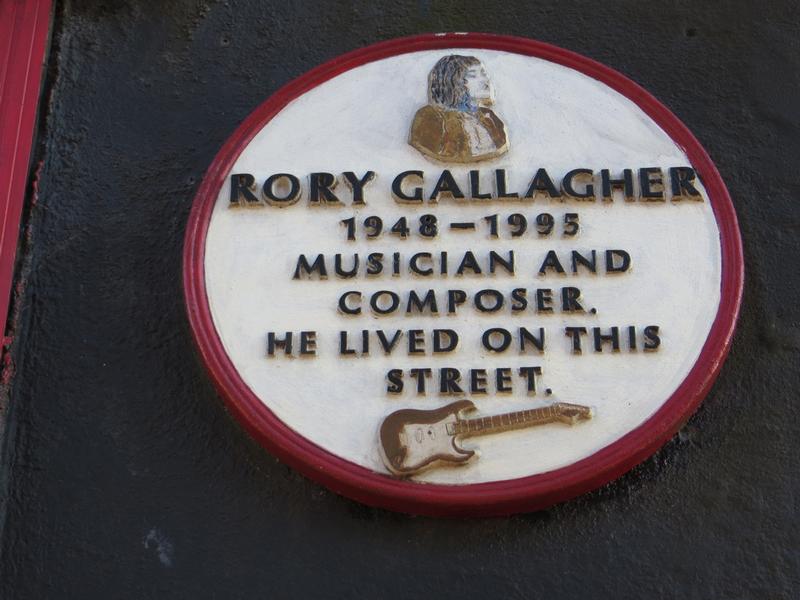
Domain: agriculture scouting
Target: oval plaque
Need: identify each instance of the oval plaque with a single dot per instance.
(462, 274)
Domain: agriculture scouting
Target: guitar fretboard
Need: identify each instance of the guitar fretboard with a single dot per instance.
(513, 420)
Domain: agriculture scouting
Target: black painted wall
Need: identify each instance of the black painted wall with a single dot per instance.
(124, 475)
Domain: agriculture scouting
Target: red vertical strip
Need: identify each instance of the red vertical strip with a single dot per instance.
(24, 27)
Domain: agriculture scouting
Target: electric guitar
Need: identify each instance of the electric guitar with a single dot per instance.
(412, 440)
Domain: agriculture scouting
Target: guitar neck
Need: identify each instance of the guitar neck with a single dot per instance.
(507, 421)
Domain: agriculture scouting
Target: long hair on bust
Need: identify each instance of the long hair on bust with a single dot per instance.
(447, 82)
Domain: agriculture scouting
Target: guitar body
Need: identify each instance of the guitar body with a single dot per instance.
(412, 440)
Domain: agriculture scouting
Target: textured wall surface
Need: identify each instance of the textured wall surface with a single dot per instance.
(126, 478)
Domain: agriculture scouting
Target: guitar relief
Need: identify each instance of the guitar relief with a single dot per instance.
(412, 440)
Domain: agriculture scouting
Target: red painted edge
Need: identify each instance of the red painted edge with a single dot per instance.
(495, 498)
(24, 29)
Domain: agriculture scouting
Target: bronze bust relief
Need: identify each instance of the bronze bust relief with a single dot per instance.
(456, 125)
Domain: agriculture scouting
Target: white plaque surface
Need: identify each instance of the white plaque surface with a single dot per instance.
(556, 119)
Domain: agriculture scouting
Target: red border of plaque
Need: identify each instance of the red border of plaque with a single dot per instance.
(494, 498)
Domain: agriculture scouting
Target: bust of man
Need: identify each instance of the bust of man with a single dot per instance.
(456, 125)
